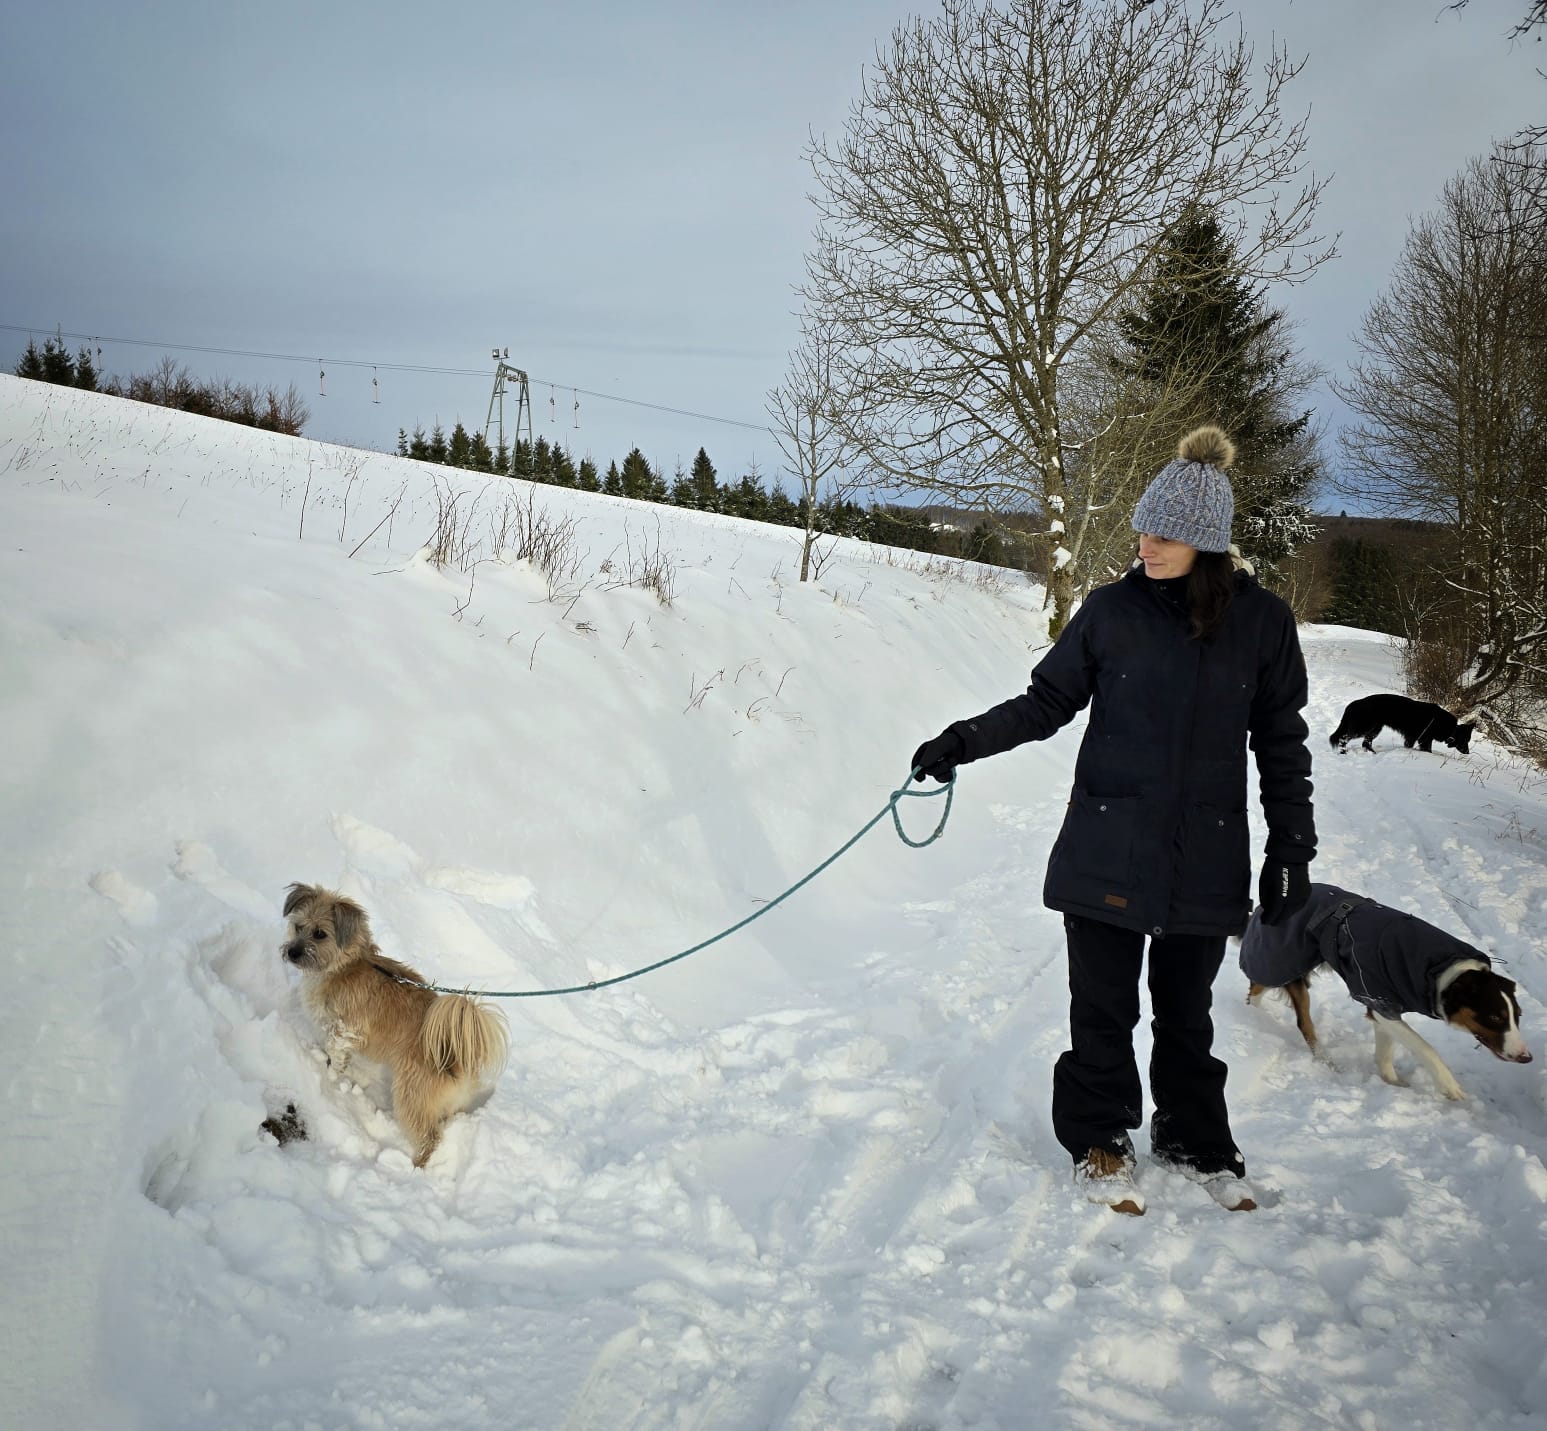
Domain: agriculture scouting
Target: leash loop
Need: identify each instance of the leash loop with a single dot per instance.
(947, 789)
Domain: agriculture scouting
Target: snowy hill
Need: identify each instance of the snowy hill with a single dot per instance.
(803, 1179)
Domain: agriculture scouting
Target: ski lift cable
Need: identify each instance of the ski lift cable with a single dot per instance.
(395, 368)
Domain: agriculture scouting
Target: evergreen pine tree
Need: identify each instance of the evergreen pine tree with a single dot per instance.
(563, 467)
(612, 483)
(637, 479)
(482, 459)
(521, 460)
(707, 496)
(542, 460)
(894, 526)
(587, 478)
(1203, 326)
(402, 443)
(751, 501)
(85, 370)
(1366, 587)
(502, 458)
(58, 365)
(459, 451)
(437, 448)
(682, 492)
(31, 364)
(983, 544)
(418, 447)
(781, 509)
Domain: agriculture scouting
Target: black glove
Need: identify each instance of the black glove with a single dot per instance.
(939, 757)
(1282, 889)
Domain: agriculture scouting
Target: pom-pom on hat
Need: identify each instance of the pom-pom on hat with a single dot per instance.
(1190, 499)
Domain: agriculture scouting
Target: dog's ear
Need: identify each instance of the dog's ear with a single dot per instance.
(1469, 990)
(299, 894)
(349, 924)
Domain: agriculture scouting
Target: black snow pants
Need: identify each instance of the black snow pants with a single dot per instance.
(1097, 1095)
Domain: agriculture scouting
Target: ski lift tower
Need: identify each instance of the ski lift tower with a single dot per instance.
(513, 380)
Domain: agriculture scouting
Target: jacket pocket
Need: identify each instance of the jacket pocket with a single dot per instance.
(1216, 852)
(1097, 838)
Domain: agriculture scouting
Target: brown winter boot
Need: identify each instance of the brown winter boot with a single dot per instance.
(1106, 1177)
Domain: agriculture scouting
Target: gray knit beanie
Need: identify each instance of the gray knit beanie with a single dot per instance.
(1190, 500)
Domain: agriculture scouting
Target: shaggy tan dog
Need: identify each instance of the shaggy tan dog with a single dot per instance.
(441, 1050)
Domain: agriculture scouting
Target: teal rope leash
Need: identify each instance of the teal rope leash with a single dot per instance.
(948, 790)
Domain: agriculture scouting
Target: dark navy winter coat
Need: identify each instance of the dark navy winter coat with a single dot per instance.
(1155, 837)
(1390, 961)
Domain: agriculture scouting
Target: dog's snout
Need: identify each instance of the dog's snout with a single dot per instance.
(295, 953)
(1524, 1056)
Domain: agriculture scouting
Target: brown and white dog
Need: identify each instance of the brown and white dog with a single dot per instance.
(440, 1049)
(1393, 963)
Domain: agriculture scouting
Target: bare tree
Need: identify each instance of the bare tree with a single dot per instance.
(1535, 15)
(1119, 431)
(809, 426)
(1451, 389)
(995, 192)
(1535, 18)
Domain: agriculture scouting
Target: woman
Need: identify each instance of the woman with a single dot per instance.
(1184, 662)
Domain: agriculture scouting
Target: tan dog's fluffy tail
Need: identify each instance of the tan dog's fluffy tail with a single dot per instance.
(462, 1037)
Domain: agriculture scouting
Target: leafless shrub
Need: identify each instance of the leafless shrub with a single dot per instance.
(700, 691)
(350, 463)
(1435, 668)
(305, 498)
(441, 548)
(814, 557)
(517, 530)
(650, 568)
(522, 531)
(170, 384)
(1432, 668)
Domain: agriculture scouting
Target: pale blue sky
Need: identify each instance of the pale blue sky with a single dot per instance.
(615, 191)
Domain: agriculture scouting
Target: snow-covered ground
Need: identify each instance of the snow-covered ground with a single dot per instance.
(803, 1179)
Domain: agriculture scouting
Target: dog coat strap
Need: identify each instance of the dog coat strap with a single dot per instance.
(1324, 926)
(1336, 913)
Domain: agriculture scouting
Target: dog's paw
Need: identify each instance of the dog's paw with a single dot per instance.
(1453, 1091)
(285, 1127)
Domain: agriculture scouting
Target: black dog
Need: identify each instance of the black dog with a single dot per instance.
(1419, 723)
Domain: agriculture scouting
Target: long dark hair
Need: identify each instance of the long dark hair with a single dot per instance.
(1210, 588)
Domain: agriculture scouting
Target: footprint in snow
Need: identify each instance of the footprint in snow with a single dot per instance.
(137, 906)
(372, 851)
(198, 864)
(378, 854)
(485, 886)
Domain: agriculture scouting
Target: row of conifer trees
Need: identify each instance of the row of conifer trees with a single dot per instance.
(700, 488)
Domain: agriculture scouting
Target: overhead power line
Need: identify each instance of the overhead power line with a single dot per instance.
(384, 367)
